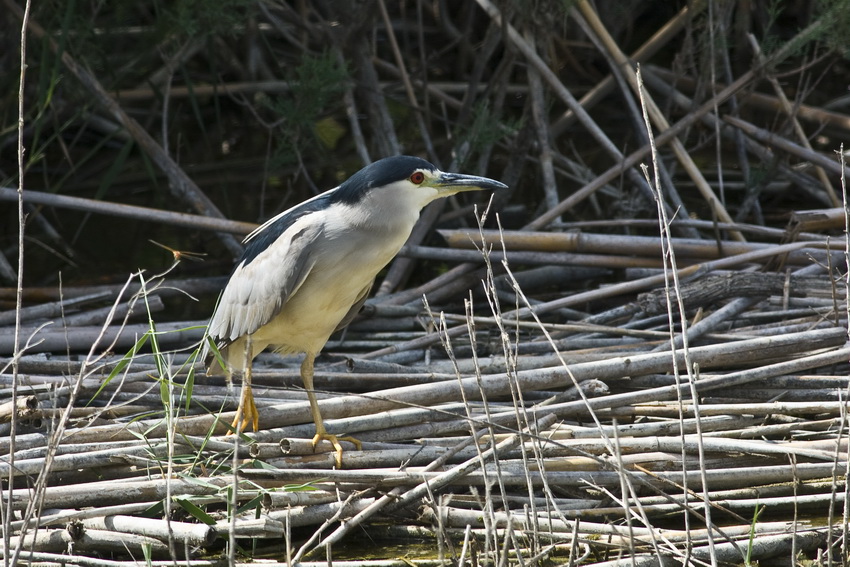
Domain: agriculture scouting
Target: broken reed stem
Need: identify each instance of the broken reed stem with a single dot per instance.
(148, 214)
(19, 285)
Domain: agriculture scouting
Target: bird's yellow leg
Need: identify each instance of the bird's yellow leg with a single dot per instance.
(247, 412)
(321, 434)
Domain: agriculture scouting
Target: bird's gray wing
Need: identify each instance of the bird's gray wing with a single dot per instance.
(262, 282)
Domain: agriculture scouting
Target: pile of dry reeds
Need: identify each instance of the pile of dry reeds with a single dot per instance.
(592, 438)
(586, 374)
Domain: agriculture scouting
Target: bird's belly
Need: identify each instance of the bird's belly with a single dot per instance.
(334, 284)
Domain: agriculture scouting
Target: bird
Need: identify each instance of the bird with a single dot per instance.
(306, 272)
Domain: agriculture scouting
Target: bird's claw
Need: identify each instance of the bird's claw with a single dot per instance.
(335, 441)
(247, 413)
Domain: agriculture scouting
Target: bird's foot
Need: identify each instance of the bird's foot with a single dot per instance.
(335, 441)
(247, 413)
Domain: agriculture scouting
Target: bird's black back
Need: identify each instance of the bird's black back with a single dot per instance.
(267, 235)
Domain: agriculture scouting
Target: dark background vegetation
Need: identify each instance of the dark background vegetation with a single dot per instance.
(251, 99)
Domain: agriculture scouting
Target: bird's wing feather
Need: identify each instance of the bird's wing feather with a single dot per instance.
(262, 282)
(292, 214)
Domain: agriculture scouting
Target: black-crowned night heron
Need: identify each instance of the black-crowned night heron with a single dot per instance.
(306, 272)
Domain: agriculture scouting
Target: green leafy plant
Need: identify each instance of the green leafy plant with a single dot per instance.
(756, 513)
(486, 129)
(200, 18)
(315, 84)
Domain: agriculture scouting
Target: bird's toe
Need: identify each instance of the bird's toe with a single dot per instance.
(337, 445)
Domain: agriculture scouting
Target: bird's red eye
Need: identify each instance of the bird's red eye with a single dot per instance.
(417, 177)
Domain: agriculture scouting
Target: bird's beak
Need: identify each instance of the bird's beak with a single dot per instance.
(451, 183)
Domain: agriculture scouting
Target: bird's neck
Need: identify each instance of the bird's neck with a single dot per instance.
(391, 210)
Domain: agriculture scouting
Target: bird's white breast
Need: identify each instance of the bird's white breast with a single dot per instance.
(349, 254)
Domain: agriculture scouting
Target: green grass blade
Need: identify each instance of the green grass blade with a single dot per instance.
(195, 511)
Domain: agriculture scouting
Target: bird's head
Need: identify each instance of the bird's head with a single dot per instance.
(410, 181)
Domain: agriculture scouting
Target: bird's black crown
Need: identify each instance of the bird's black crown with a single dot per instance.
(378, 174)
